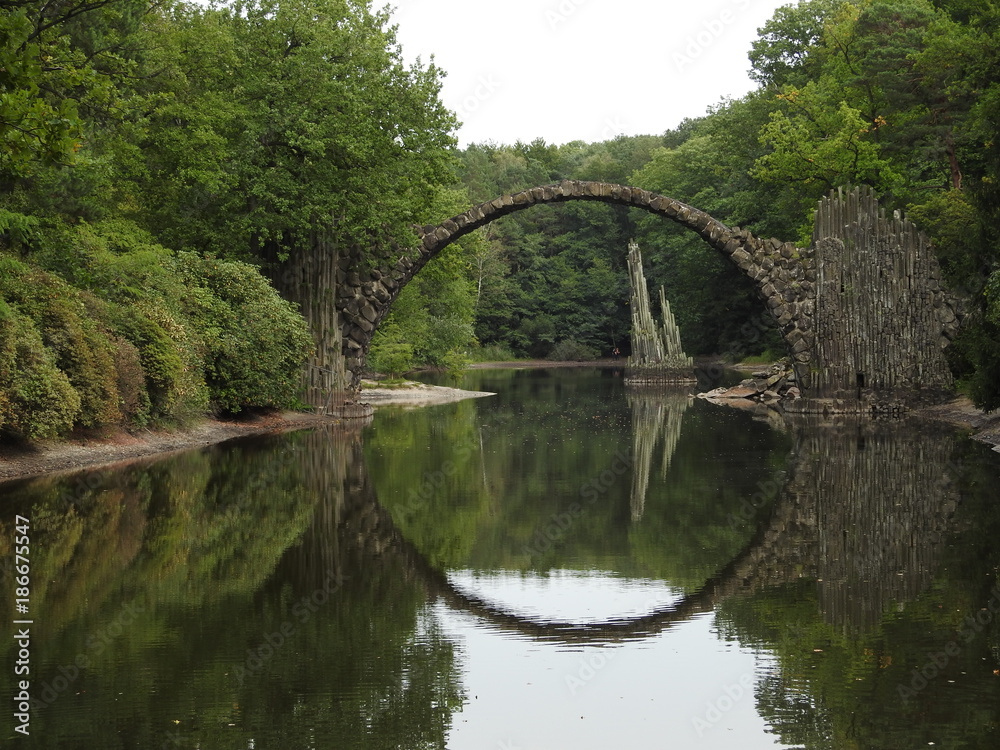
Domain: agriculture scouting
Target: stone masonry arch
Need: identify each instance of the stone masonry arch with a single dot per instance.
(784, 276)
(863, 310)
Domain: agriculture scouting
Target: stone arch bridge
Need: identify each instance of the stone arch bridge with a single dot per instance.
(863, 312)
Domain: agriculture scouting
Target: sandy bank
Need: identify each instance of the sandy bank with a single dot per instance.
(415, 394)
(90, 449)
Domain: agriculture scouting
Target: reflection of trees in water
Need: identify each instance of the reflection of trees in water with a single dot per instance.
(869, 507)
(657, 414)
(862, 510)
(170, 576)
(390, 674)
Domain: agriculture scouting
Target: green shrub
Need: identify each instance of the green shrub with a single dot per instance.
(75, 340)
(255, 342)
(493, 353)
(570, 350)
(391, 357)
(171, 356)
(135, 404)
(119, 330)
(36, 398)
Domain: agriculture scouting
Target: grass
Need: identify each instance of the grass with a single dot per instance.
(387, 383)
(767, 357)
(493, 353)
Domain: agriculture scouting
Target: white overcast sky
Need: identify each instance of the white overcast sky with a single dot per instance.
(588, 70)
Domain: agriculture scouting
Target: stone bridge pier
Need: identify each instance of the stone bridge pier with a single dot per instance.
(862, 310)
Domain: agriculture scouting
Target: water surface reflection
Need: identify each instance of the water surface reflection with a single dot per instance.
(560, 566)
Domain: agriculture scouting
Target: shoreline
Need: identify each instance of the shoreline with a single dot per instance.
(414, 394)
(960, 413)
(114, 447)
(88, 450)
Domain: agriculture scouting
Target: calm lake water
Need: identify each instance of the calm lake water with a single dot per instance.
(568, 564)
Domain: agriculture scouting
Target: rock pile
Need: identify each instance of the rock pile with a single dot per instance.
(768, 387)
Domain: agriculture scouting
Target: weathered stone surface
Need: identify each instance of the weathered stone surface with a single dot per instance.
(741, 258)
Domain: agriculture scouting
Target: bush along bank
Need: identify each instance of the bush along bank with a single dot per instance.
(99, 326)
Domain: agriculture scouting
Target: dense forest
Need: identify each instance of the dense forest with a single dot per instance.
(160, 161)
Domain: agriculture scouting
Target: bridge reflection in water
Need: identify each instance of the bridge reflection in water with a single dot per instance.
(195, 565)
(858, 515)
(861, 509)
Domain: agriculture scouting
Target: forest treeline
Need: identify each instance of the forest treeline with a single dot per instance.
(159, 161)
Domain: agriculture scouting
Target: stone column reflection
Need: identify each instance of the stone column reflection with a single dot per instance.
(333, 472)
(657, 414)
(872, 501)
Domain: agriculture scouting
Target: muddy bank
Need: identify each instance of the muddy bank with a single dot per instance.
(91, 449)
(960, 412)
(85, 450)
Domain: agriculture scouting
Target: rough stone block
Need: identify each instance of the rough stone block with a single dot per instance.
(738, 391)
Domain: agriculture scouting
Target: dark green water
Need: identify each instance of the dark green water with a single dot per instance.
(562, 565)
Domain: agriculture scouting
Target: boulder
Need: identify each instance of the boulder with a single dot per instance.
(739, 391)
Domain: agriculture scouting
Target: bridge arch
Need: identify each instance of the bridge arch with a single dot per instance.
(784, 276)
(372, 526)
